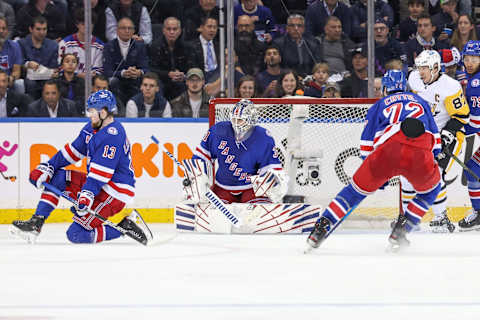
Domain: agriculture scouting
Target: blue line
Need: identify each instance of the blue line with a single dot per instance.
(250, 305)
(139, 120)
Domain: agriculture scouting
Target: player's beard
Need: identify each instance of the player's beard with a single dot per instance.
(2, 41)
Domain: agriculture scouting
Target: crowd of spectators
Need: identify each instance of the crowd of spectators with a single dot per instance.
(161, 58)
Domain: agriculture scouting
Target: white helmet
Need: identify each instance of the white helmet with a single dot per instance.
(242, 117)
(430, 59)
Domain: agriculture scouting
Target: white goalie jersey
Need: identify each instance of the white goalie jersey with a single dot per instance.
(445, 97)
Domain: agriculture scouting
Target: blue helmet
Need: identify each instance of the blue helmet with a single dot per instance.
(102, 99)
(394, 80)
(471, 48)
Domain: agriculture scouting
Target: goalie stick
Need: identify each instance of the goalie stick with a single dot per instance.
(209, 194)
(59, 193)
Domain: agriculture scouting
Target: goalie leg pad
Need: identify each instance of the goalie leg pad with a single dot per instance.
(278, 218)
(201, 218)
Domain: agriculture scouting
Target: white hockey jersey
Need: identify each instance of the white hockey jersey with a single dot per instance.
(71, 44)
(445, 96)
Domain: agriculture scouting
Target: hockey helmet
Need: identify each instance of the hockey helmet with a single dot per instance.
(393, 81)
(243, 117)
(450, 57)
(471, 48)
(430, 59)
(102, 99)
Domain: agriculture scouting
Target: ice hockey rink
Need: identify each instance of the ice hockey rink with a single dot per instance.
(198, 276)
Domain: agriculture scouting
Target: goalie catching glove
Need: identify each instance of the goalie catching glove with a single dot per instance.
(197, 180)
(272, 184)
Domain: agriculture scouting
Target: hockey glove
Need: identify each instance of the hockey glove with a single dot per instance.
(85, 202)
(42, 173)
(448, 138)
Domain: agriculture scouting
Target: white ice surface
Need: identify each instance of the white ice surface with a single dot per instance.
(240, 277)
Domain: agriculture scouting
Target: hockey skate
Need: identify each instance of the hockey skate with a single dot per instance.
(398, 237)
(441, 224)
(317, 236)
(136, 227)
(470, 222)
(27, 229)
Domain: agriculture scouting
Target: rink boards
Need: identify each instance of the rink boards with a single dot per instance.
(23, 144)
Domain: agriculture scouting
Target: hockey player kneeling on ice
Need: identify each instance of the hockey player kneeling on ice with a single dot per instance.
(400, 138)
(248, 179)
(108, 185)
(451, 112)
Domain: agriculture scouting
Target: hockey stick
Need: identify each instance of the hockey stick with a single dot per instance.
(209, 194)
(59, 193)
(461, 163)
(11, 178)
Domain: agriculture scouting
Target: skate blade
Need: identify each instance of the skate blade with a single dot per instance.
(308, 249)
(30, 237)
(475, 228)
(138, 219)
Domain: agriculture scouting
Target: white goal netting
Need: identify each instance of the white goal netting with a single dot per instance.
(318, 144)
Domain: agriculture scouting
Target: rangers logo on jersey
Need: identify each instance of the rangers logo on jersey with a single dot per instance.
(475, 82)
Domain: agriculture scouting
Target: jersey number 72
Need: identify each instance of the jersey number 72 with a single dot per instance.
(394, 111)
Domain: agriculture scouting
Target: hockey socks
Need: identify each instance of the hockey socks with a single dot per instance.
(342, 204)
(77, 234)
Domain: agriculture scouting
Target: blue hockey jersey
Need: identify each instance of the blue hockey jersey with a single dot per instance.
(384, 117)
(237, 161)
(472, 93)
(109, 162)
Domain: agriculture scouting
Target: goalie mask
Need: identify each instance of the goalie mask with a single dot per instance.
(242, 118)
(430, 59)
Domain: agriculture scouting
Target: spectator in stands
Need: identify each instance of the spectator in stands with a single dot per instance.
(11, 59)
(70, 85)
(288, 85)
(136, 12)
(75, 44)
(213, 88)
(12, 104)
(261, 15)
(267, 80)
(335, 46)
(196, 15)
(40, 55)
(6, 10)
(282, 9)
(125, 61)
(463, 6)
(408, 27)
(162, 9)
(332, 90)
(316, 86)
(359, 17)
(100, 82)
(246, 88)
(98, 10)
(299, 51)
(249, 49)
(55, 18)
(465, 31)
(445, 21)
(320, 10)
(149, 102)
(205, 48)
(356, 85)
(193, 103)
(170, 58)
(424, 39)
(386, 48)
(377, 87)
(51, 104)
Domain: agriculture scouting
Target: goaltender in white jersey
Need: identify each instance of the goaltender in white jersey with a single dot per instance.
(451, 113)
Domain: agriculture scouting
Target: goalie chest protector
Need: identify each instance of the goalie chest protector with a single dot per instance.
(237, 161)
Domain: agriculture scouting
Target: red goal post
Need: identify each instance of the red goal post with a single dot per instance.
(318, 144)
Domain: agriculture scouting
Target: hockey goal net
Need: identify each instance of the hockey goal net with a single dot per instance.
(318, 144)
